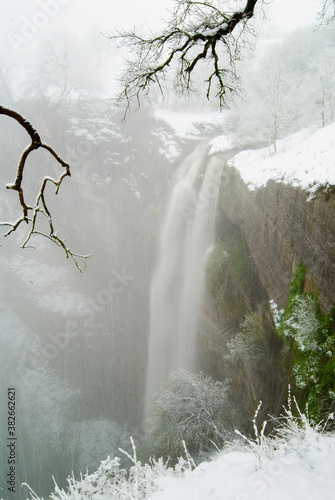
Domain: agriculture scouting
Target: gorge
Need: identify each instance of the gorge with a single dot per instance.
(261, 237)
(231, 250)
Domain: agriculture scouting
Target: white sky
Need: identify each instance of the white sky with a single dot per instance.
(19, 35)
(290, 14)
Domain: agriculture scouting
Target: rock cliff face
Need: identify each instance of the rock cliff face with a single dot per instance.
(262, 236)
(283, 227)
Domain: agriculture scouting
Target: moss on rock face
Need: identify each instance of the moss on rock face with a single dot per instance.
(310, 337)
(297, 286)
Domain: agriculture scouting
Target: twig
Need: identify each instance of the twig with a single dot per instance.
(196, 32)
(29, 213)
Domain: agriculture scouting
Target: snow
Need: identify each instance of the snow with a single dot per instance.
(213, 31)
(95, 130)
(245, 476)
(305, 160)
(186, 125)
(171, 151)
(298, 463)
(219, 144)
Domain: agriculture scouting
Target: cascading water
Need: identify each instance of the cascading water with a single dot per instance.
(177, 287)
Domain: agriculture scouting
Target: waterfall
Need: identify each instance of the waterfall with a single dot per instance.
(177, 287)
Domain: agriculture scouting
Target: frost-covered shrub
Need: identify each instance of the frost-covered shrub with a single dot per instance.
(256, 347)
(192, 408)
(248, 345)
(93, 439)
(276, 313)
(303, 324)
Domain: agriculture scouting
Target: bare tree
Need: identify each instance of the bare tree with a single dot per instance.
(30, 213)
(197, 31)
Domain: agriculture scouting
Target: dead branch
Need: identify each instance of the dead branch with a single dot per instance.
(30, 213)
(197, 30)
(327, 13)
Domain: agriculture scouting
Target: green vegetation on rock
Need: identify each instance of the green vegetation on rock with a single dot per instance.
(310, 336)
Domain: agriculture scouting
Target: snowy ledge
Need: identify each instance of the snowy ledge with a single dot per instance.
(304, 159)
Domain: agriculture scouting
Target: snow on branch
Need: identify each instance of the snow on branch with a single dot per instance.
(30, 213)
(197, 31)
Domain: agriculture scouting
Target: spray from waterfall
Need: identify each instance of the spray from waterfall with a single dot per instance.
(177, 287)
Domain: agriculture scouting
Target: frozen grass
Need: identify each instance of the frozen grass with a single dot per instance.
(111, 481)
(297, 461)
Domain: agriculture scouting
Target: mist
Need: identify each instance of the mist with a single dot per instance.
(75, 345)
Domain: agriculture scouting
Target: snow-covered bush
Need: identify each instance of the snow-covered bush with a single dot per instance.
(194, 409)
(257, 350)
(248, 344)
(303, 324)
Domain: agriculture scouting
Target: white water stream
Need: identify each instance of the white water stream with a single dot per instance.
(177, 287)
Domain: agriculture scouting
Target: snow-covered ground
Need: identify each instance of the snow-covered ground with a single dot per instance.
(297, 464)
(304, 159)
(299, 469)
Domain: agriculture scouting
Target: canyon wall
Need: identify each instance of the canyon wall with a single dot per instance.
(262, 235)
(283, 226)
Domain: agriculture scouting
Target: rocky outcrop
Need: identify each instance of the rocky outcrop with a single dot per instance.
(283, 226)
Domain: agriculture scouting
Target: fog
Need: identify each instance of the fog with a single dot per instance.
(75, 344)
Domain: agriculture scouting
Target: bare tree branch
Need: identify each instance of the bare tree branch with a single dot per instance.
(327, 13)
(29, 213)
(197, 31)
